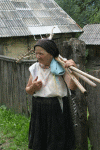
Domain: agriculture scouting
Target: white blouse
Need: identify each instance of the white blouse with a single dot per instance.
(52, 85)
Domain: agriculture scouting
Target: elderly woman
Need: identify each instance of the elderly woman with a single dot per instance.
(51, 126)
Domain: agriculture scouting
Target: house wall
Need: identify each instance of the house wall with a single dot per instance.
(93, 50)
(1, 47)
(17, 46)
(97, 50)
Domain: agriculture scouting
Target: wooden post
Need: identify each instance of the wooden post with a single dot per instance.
(75, 49)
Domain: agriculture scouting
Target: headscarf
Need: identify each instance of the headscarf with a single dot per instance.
(49, 45)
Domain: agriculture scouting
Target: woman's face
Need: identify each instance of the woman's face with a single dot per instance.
(43, 56)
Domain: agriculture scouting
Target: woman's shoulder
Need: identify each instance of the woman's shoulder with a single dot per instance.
(33, 69)
(33, 66)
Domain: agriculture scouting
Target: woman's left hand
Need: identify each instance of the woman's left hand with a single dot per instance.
(69, 63)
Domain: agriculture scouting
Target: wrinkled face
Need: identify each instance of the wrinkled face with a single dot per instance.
(43, 56)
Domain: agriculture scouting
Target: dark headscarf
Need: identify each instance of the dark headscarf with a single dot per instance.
(49, 45)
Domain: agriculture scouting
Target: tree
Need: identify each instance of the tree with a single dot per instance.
(82, 11)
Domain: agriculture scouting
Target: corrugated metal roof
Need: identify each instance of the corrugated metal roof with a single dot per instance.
(34, 17)
(91, 35)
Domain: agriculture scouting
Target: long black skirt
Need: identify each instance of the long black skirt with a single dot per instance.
(50, 129)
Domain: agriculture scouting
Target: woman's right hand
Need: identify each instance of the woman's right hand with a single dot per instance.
(34, 85)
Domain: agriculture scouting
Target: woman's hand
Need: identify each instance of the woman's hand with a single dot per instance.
(36, 85)
(33, 86)
(67, 78)
(69, 63)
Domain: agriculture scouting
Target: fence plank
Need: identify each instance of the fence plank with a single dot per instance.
(16, 92)
(81, 128)
(2, 85)
(10, 88)
(19, 87)
(98, 112)
(24, 106)
(28, 97)
(5, 82)
(93, 99)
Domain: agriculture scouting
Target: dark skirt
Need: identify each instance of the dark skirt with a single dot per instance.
(50, 129)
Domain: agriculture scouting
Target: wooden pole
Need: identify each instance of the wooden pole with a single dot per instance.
(83, 90)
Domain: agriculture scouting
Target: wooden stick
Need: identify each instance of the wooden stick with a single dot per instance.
(81, 72)
(83, 90)
(24, 55)
(84, 78)
(85, 74)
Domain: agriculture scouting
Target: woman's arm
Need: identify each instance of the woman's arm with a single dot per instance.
(70, 83)
(33, 86)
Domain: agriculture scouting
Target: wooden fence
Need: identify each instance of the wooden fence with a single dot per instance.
(13, 80)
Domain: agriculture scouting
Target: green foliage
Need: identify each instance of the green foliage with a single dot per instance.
(86, 55)
(87, 113)
(86, 52)
(89, 145)
(82, 11)
(13, 130)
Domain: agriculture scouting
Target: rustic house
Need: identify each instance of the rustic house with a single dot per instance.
(22, 22)
(91, 37)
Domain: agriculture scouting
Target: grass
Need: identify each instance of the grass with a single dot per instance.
(89, 145)
(13, 130)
